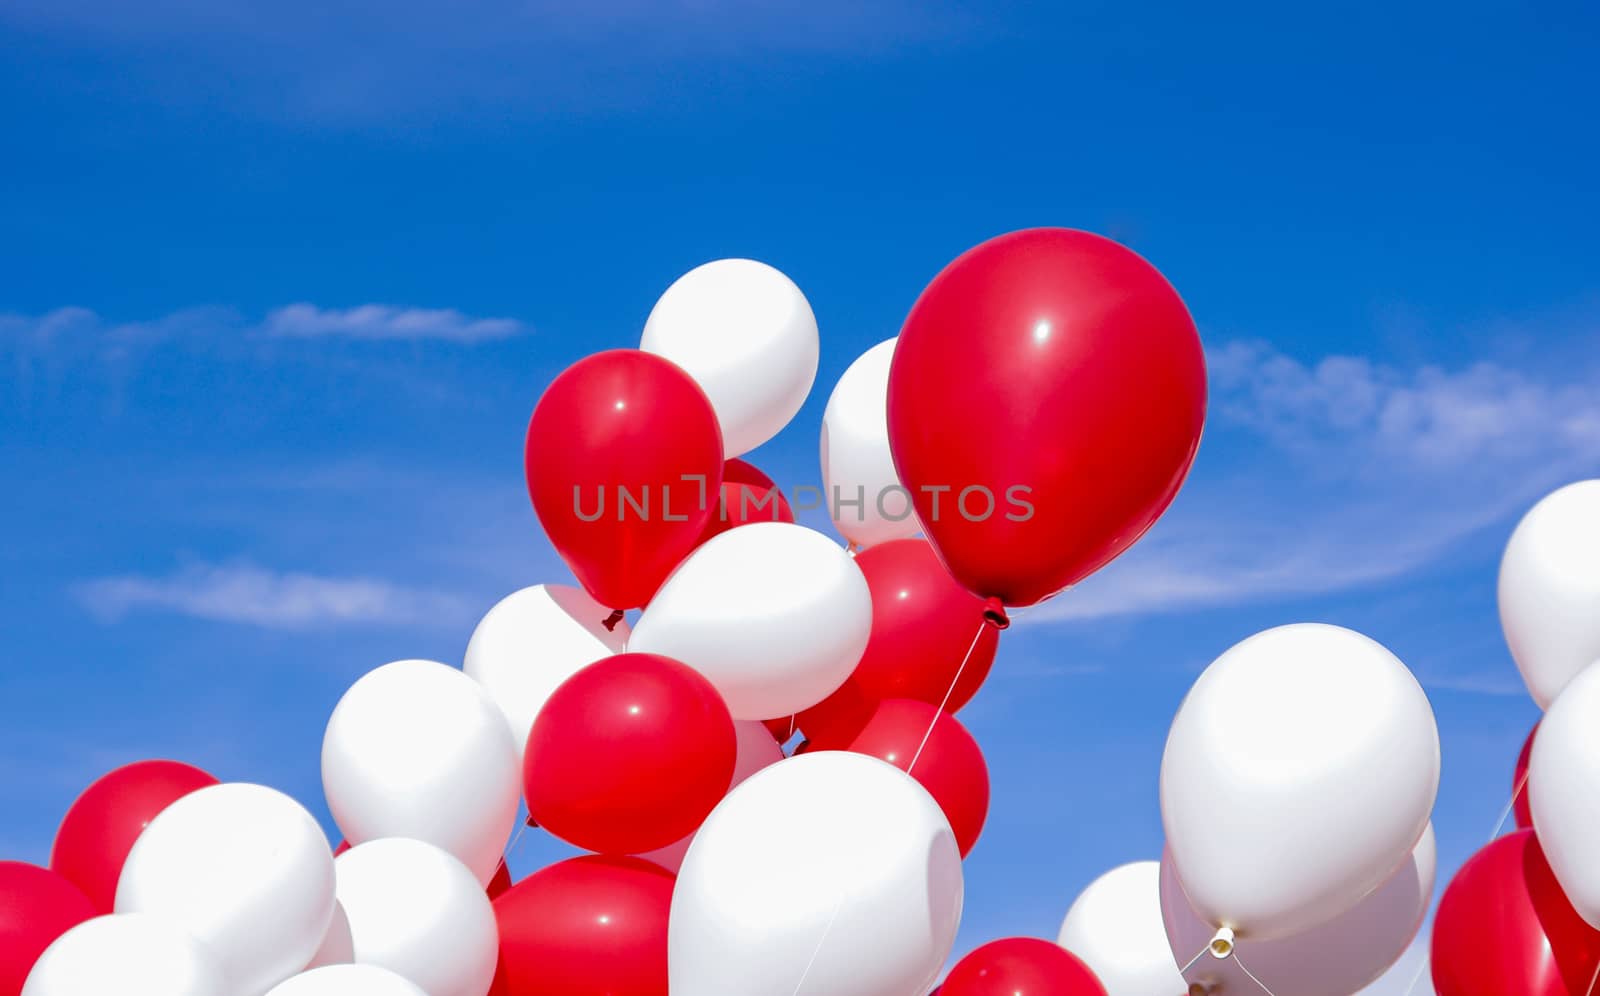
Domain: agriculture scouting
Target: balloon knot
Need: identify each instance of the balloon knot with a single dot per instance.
(532, 822)
(611, 621)
(994, 613)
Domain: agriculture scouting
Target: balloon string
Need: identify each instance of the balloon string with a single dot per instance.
(947, 693)
(1593, 979)
(1251, 975)
(818, 949)
(1190, 963)
(1494, 835)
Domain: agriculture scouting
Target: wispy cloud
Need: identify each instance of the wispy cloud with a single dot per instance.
(244, 593)
(1343, 473)
(75, 327)
(378, 321)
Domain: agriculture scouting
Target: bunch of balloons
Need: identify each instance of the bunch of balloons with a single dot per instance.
(1035, 416)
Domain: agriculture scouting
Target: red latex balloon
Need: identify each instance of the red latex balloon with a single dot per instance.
(1021, 966)
(590, 926)
(1504, 926)
(623, 455)
(747, 496)
(950, 767)
(923, 626)
(36, 907)
(1521, 801)
(1055, 361)
(101, 826)
(628, 755)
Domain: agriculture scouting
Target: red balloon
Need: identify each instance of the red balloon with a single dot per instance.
(101, 826)
(1045, 403)
(629, 755)
(1504, 926)
(1021, 966)
(923, 626)
(747, 496)
(585, 927)
(950, 765)
(36, 907)
(1521, 801)
(623, 454)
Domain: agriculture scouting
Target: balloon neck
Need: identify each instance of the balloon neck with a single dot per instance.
(994, 613)
(611, 621)
(534, 824)
(1199, 989)
(1221, 945)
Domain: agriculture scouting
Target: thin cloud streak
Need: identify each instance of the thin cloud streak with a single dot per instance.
(244, 593)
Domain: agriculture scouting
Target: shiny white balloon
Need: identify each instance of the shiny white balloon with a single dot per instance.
(1299, 773)
(417, 911)
(756, 750)
(1564, 790)
(130, 954)
(348, 980)
(245, 870)
(1550, 590)
(747, 336)
(865, 498)
(417, 749)
(532, 641)
(774, 615)
(1115, 928)
(868, 873)
(1334, 958)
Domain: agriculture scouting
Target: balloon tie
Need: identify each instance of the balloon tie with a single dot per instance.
(994, 613)
(611, 621)
(951, 690)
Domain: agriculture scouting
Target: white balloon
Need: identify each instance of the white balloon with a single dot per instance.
(417, 749)
(1299, 773)
(532, 641)
(417, 911)
(245, 870)
(746, 334)
(774, 615)
(867, 868)
(865, 498)
(1564, 790)
(756, 750)
(1115, 928)
(130, 954)
(1550, 590)
(337, 947)
(348, 980)
(1334, 958)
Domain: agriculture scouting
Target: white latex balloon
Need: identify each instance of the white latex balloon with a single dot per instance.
(774, 615)
(1334, 958)
(867, 868)
(348, 980)
(746, 334)
(532, 641)
(337, 947)
(417, 749)
(1115, 928)
(1564, 790)
(417, 911)
(246, 871)
(131, 954)
(1299, 773)
(756, 750)
(863, 493)
(1550, 590)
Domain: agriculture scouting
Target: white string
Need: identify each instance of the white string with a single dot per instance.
(1190, 964)
(1494, 835)
(947, 693)
(1251, 975)
(1595, 978)
(818, 949)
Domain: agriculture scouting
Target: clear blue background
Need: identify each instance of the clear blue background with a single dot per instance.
(217, 515)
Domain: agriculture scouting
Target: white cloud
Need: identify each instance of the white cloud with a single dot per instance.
(378, 321)
(1325, 477)
(245, 593)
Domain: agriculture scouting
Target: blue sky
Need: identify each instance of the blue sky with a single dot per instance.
(281, 283)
